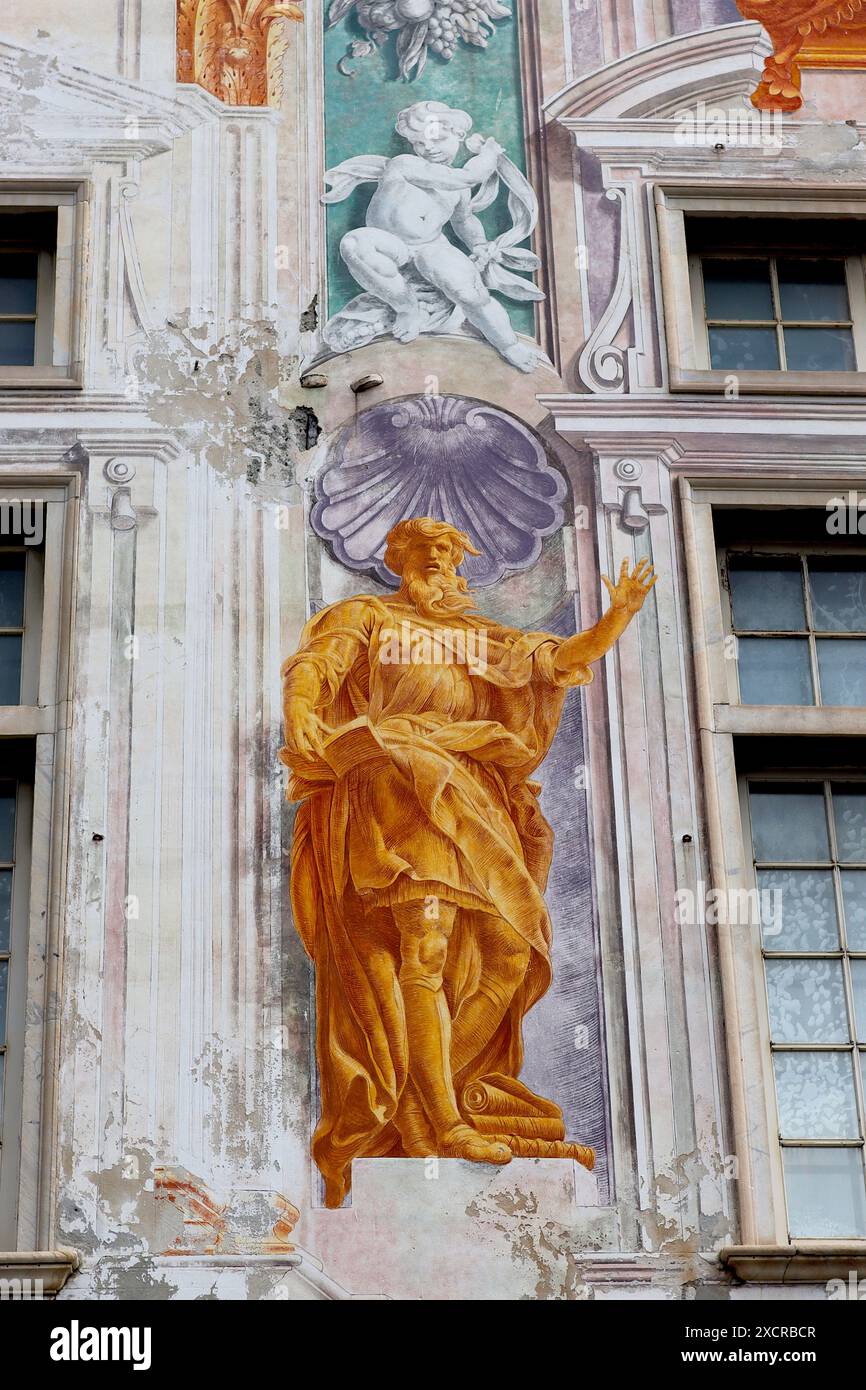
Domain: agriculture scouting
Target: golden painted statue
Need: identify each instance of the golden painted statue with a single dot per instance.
(413, 727)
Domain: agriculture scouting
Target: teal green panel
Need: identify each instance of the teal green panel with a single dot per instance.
(360, 113)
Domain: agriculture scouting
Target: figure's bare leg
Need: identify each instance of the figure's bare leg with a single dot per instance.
(375, 258)
(452, 272)
(506, 960)
(424, 933)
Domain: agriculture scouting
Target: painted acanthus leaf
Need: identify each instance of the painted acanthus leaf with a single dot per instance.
(791, 24)
(234, 48)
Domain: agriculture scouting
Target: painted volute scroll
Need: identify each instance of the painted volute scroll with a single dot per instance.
(414, 727)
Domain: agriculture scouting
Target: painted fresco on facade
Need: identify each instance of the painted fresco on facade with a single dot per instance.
(420, 857)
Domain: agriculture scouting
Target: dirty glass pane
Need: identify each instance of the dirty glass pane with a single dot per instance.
(826, 1192)
(744, 349)
(820, 350)
(10, 670)
(5, 908)
(798, 910)
(738, 289)
(854, 898)
(815, 1095)
(12, 590)
(849, 810)
(813, 291)
(766, 598)
(788, 824)
(18, 283)
(838, 598)
(775, 671)
(842, 668)
(17, 344)
(807, 1001)
(858, 983)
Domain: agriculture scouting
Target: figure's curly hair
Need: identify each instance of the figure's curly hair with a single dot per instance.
(407, 533)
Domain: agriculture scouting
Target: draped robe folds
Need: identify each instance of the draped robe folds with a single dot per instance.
(423, 793)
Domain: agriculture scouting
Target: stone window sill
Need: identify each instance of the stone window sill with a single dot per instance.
(36, 1273)
(803, 1262)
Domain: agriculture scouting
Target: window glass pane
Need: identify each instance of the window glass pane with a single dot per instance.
(815, 1095)
(5, 908)
(838, 597)
(858, 981)
(788, 824)
(7, 823)
(820, 350)
(801, 914)
(826, 1192)
(744, 349)
(17, 344)
(775, 671)
(849, 809)
(813, 290)
(738, 289)
(807, 1001)
(842, 668)
(766, 598)
(11, 590)
(854, 897)
(10, 670)
(18, 283)
(4, 984)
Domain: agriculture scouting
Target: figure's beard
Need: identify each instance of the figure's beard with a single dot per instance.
(436, 595)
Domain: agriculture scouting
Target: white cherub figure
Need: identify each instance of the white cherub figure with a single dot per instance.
(415, 279)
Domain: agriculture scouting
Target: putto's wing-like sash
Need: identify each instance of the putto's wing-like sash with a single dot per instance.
(346, 177)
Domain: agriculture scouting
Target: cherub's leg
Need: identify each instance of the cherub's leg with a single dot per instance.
(375, 258)
(456, 276)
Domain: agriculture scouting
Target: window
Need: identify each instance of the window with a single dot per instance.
(800, 624)
(777, 595)
(777, 313)
(760, 289)
(28, 243)
(809, 853)
(41, 252)
(36, 528)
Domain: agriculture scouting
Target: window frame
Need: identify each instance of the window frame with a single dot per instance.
(854, 1047)
(766, 1248)
(27, 1189)
(684, 325)
(60, 289)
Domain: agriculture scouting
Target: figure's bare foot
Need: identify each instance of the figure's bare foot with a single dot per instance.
(464, 1142)
(407, 324)
(525, 358)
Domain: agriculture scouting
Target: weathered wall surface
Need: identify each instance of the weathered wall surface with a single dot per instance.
(184, 1055)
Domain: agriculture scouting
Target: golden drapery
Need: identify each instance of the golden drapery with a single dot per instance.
(424, 792)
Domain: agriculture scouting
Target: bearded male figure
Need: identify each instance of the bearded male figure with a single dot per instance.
(420, 854)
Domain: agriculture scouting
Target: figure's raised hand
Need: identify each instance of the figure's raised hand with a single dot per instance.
(629, 592)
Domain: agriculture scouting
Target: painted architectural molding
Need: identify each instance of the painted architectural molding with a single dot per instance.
(234, 48)
(471, 464)
(422, 27)
(805, 33)
(415, 279)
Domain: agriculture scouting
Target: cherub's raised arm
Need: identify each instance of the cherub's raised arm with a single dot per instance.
(424, 174)
(626, 598)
